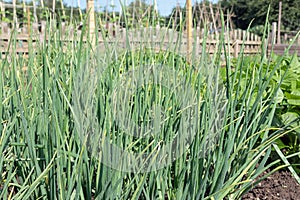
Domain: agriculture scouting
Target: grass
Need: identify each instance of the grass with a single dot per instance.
(80, 124)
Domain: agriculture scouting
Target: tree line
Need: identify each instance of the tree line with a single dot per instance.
(141, 12)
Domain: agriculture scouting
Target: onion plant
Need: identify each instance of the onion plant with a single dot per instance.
(84, 122)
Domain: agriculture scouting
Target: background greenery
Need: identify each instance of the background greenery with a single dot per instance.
(242, 11)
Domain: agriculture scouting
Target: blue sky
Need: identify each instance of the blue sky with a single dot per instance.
(164, 6)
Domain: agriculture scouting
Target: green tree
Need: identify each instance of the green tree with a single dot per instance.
(247, 10)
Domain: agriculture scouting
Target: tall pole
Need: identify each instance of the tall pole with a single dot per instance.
(28, 20)
(91, 21)
(2, 9)
(279, 23)
(156, 12)
(34, 11)
(53, 6)
(15, 13)
(79, 9)
(189, 29)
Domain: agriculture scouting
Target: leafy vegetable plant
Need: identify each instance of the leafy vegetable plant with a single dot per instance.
(71, 122)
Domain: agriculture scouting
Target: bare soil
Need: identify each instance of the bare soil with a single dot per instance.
(281, 185)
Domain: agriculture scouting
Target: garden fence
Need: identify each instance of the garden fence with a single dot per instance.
(157, 38)
(280, 42)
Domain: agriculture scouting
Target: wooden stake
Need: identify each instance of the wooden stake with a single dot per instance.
(2, 9)
(279, 23)
(189, 29)
(28, 20)
(273, 34)
(91, 12)
(53, 6)
(14, 13)
(34, 11)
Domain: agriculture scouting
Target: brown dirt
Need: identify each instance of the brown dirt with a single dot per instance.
(281, 185)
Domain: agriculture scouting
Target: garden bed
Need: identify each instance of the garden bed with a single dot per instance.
(280, 185)
(144, 124)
